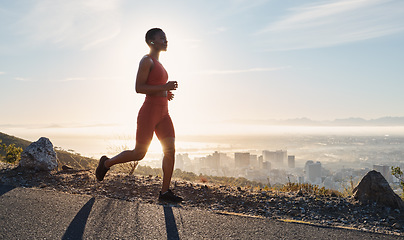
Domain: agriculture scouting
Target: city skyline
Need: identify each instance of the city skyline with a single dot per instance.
(67, 69)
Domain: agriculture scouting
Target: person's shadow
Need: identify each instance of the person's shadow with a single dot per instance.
(76, 228)
(171, 226)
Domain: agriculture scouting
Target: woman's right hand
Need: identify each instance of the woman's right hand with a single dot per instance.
(171, 85)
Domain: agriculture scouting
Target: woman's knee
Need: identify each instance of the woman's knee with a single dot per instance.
(169, 152)
(138, 154)
(168, 145)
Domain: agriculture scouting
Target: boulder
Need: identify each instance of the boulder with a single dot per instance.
(374, 188)
(39, 155)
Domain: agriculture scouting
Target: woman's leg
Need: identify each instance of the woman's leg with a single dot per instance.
(168, 145)
(129, 155)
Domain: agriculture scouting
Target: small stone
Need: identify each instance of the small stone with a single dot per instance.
(66, 168)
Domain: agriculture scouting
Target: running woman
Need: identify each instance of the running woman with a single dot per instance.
(153, 117)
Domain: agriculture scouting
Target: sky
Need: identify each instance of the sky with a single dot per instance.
(68, 68)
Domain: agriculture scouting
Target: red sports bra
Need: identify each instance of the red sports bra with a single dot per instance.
(158, 75)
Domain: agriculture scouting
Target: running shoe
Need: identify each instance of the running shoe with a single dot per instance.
(101, 169)
(169, 196)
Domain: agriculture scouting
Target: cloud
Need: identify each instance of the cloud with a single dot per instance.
(86, 24)
(1, 73)
(22, 79)
(57, 126)
(236, 71)
(73, 79)
(334, 22)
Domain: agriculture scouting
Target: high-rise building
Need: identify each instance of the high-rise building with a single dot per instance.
(260, 161)
(291, 161)
(179, 162)
(254, 161)
(266, 165)
(242, 160)
(313, 171)
(268, 156)
(276, 158)
(213, 161)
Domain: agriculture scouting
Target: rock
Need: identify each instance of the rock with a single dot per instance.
(39, 155)
(67, 168)
(396, 225)
(374, 188)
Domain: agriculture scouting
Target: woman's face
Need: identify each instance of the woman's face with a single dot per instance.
(160, 41)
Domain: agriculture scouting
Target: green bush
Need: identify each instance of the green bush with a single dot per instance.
(398, 173)
(13, 153)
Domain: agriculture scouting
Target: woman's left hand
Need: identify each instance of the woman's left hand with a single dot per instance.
(170, 95)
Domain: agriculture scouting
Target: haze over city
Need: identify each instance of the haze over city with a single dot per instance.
(67, 69)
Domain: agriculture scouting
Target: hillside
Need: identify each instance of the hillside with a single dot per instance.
(65, 158)
(304, 206)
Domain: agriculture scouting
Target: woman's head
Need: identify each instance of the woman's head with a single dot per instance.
(156, 39)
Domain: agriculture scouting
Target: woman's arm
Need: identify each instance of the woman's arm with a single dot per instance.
(141, 87)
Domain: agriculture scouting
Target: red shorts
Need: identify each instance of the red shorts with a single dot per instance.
(153, 117)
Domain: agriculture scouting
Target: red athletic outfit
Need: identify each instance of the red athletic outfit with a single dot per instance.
(153, 115)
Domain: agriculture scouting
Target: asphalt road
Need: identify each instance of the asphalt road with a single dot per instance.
(40, 214)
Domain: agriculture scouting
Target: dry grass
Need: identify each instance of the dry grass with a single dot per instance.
(309, 188)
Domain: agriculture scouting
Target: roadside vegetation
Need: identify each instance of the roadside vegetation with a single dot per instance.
(12, 154)
(398, 173)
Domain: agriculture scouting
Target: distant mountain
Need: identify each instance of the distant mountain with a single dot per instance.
(384, 121)
(74, 160)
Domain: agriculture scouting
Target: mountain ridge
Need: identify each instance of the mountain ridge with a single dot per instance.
(352, 121)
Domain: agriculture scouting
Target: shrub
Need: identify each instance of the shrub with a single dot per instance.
(13, 153)
(309, 188)
(398, 173)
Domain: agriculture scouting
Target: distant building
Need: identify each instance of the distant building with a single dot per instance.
(242, 160)
(213, 161)
(268, 156)
(202, 162)
(313, 172)
(277, 158)
(254, 161)
(385, 171)
(291, 161)
(266, 166)
(260, 161)
(183, 162)
(179, 162)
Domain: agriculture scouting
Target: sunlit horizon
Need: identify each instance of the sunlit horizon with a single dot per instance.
(96, 141)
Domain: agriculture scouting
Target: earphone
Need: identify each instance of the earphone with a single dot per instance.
(152, 42)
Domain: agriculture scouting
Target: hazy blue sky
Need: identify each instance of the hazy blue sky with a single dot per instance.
(72, 64)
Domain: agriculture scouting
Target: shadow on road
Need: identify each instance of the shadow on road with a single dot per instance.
(171, 226)
(76, 228)
(5, 188)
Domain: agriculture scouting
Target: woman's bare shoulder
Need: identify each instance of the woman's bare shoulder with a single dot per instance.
(146, 61)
